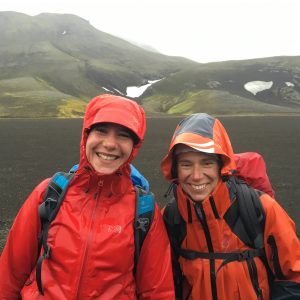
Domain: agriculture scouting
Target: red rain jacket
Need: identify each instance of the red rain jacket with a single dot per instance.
(233, 280)
(91, 238)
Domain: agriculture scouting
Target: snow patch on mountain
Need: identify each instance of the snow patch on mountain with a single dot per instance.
(289, 84)
(255, 87)
(136, 91)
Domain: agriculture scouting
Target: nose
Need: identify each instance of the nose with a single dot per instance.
(197, 173)
(110, 140)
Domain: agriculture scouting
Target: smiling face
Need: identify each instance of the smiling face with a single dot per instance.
(108, 146)
(198, 174)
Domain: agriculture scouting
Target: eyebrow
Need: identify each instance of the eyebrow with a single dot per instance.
(211, 158)
(105, 125)
(183, 160)
(202, 160)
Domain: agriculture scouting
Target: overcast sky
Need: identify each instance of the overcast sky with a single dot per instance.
(202, 30)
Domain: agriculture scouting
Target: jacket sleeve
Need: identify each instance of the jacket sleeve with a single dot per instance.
(281, 243)
(20, 251)
(154, 276)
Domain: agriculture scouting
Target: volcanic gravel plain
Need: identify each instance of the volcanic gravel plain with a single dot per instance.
(32, 150)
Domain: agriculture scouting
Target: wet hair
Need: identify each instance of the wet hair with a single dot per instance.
(132, 135)
(220, 161)
(174, 167)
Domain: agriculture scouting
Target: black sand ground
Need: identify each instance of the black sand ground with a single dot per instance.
(32, 150)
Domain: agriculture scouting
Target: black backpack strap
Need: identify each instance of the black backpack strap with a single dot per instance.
(48, 210)
(252, 214)
(176, 229)
(246, 218)
(226, 256)
(144, 212)
(246, 215)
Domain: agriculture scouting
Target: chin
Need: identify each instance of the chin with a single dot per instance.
(198, 198)
(105, 171)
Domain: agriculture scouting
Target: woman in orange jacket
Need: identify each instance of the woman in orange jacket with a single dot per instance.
(92, 237)
(212, 260)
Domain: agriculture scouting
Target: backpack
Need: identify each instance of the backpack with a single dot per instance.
(54, 195)
(251, 168)
(245, 217)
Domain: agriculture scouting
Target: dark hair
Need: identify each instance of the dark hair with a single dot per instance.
(174, 167)
(220, 161)
(132, 135)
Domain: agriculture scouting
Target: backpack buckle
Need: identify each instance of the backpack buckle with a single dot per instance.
(142, 223)
(47, 253)
(245, 255)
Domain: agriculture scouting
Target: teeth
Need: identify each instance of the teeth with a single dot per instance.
(198, 187)
(106, 157)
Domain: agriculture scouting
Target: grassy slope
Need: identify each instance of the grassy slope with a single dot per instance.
(222, 102)
(27, 97)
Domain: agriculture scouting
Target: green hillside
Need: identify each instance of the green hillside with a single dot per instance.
(30, 97)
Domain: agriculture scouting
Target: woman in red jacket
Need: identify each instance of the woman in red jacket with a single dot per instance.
(92, 236)
(212, 261)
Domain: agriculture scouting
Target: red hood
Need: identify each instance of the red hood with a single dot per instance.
(204, 133)
(114, 109)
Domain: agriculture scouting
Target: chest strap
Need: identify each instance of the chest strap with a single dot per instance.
(226, 256)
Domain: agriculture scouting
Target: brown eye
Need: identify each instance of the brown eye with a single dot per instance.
(184, 164)
(101, 129)
(124, 134)
(209, 163)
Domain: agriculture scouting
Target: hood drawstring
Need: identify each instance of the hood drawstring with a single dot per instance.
(115, 188)
(170, 188)
(213, 207)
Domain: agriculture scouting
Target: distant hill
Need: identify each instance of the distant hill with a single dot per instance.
(257, 86)
(51, 65)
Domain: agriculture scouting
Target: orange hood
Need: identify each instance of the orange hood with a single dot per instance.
(204, 133)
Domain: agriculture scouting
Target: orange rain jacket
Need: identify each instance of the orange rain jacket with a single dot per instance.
(91, 238)
(233, 280)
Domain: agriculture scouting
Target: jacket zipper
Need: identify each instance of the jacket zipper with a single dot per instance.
(275, 257)
(202, 218)
(87, 243)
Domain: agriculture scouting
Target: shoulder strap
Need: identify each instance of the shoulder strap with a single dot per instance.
(176, 229)
(48, 210)
(249, 221)
(175, 224)
(138, 179)
(250, 213)
(144, 212)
